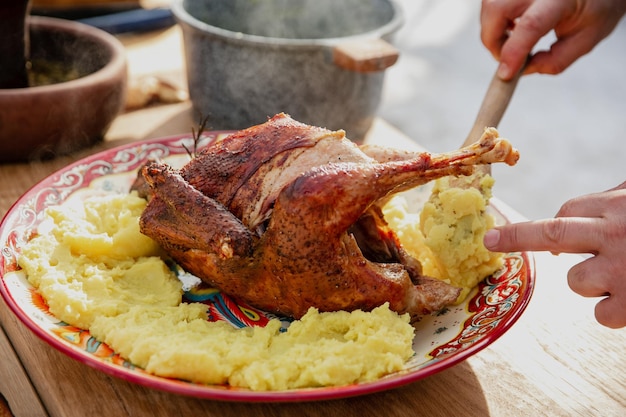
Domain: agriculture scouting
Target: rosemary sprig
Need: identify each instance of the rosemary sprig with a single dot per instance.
(196, 135)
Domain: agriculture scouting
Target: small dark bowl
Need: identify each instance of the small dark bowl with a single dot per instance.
(45, 121)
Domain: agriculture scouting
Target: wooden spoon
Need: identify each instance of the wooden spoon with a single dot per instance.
(494, 105)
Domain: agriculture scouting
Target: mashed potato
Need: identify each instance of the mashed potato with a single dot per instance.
(321, 349)
(95, 262)
(447, 235)
(98, 272)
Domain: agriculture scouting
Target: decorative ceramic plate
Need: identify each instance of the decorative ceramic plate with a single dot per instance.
(441, 340)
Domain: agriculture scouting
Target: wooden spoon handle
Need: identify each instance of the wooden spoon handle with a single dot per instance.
(493, 106)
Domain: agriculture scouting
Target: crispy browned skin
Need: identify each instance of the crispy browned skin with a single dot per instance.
(285, 216)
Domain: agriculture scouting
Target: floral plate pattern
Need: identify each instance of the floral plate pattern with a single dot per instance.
(442, 339)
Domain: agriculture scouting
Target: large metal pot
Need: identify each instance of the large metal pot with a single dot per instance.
(321, 61)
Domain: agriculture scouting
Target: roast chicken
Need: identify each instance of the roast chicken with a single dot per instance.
(286, 216)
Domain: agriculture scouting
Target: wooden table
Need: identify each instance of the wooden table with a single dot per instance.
(556, 360)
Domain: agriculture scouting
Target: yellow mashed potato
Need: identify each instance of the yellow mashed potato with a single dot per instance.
(321, 349)
(98, 272)
(447, 234)
(95, 262)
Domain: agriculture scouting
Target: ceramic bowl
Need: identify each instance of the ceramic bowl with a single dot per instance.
(44, 121)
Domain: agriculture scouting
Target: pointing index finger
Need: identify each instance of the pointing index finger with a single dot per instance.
(562, 234)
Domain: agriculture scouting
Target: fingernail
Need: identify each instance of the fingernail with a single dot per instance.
(491, 239)
(504, 71)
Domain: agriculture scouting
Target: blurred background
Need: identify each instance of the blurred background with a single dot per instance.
(569, 128)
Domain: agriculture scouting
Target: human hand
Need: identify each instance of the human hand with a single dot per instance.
(594, 224)
(511, 28)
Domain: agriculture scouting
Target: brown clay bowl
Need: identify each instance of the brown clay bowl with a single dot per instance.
(45, 121)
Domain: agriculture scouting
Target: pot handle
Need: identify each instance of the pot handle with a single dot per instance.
(369, 55)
